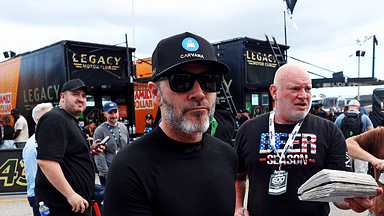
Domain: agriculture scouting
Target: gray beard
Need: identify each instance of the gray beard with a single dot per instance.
(179, 121)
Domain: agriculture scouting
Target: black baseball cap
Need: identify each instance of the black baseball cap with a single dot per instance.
(182, 49)
(73, 85)
(148, 116)
(15, 111)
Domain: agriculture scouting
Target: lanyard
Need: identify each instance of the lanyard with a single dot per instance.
(291, 137)
(113, 134)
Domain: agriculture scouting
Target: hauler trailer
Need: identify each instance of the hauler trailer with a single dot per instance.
(377, 115)
(38, 76)
(253, 64)
(34, 77)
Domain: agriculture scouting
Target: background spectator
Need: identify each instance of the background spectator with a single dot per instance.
(21, 129)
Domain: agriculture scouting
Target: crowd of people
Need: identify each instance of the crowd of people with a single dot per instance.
(187, 164)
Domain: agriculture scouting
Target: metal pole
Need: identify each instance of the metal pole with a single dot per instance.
(358, 76)
(286, 40)
(128, 59)
(133, 30)
(285, 28)
(373, 57)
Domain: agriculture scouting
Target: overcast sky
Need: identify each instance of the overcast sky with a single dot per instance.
(326, 36)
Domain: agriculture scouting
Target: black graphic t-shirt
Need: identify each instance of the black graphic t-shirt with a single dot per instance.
(318, 145)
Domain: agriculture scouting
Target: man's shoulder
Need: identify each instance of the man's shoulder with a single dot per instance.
(54, 117)
(23, 119)
(122, 126)
(255, 123)
(261, 117)
(258, 119)
(101, 126)
(222, 148)
(140, 149)
(100, 130)
(214, 140)
(340, 117)
(31, 143)
(313, 119)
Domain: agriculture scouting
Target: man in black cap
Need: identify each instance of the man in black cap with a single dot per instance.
(149, 123)
(177, 169)
(21, 135)
(65, 178)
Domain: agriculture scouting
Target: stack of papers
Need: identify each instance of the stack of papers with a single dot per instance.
(335, 185)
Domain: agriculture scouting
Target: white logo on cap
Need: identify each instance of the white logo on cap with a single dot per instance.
(190, 44)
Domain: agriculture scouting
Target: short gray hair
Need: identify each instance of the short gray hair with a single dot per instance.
(39, 110)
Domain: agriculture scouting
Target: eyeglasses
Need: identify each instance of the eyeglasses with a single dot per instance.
(183, 82)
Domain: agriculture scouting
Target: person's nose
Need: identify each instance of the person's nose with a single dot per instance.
(82, 98)
(302, 94)
(196, 93)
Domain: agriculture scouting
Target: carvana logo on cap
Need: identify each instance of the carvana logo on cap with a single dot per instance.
(190, 44)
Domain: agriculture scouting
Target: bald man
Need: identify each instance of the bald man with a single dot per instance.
(316, 145)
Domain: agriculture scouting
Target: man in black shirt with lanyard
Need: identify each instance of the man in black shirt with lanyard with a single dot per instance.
(280, 150)
(65, 178)
(119, 137)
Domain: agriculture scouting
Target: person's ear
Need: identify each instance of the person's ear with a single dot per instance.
(273, 91)
(154, 89)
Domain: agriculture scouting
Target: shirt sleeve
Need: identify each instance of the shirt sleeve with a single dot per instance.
(51, 137)
(367, 122)
(30, 161)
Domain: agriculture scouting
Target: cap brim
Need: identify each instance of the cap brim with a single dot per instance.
(111, 109)
(215, 67)
(83, 87)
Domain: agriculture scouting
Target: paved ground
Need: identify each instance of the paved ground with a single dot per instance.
(17, 205)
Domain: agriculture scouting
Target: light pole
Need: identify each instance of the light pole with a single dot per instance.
(358, 54)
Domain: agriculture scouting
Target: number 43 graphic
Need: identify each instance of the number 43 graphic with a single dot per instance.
(10, 175)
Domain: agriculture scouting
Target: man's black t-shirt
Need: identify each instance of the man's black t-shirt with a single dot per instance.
(319, 144)
(60, 139)
(156, 175)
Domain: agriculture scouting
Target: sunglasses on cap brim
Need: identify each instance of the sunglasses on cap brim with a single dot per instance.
(184, 81)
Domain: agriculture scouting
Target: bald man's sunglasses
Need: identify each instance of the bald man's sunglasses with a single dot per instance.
(183, 82)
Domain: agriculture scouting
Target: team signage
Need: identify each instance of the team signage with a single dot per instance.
(260, 59)
(12, 174)
(86, 61)
(260, 66)
(94, 64)
(5, 103)
(143, 100)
